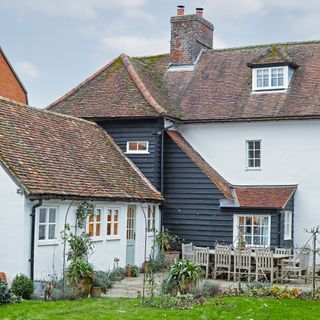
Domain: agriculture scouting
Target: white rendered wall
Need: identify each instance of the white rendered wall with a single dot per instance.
(290, 155)
(13, 223)
(49, 256)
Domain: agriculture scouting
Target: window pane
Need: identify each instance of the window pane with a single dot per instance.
(133, 146)
(98, 229)
(91, 218)
(98, 216)
(109, 229)
(109, 216)
(90, 229)
(250, 145)
(42, 216)
(142, 146)
(115, 229)
(251, 163)
(52, 228)
(52, 215)
(42, 232)
(115, 218)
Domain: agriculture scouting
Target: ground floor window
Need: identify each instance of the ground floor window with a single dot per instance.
(252, 230)
(113, 222)
(287, 225)
(151, 218)
(47, 223)
(94, 222)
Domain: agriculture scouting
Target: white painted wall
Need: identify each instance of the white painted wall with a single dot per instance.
(13, 223)
(290, 154)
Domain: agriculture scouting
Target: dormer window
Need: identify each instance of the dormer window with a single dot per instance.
(271, 78)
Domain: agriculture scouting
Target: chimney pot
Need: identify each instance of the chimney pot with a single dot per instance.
(199, 12)
(180, 10)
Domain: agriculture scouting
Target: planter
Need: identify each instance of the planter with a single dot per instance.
(129, 271)
(95, 292)
(3, 277)
(170, 257)
(145, 267)
(84, 287)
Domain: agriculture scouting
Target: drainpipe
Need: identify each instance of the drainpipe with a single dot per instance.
(33, 228)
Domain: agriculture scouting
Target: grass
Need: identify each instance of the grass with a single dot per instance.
(125, 309)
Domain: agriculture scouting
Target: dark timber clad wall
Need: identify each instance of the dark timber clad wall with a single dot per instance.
(191, 209)
(142, 130)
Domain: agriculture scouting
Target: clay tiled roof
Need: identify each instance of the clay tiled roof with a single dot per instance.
(211, 173)
(264, 197)
(55, 155)
(124, 88)
(219, 88)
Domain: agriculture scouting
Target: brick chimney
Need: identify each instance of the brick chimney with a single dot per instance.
(189, 34)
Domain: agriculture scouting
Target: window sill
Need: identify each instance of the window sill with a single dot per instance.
(269, 91)
(253, 169)
(133, 152)
(96, 239)
(113, 238)
(47, 243)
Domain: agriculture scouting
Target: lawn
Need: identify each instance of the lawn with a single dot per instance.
(112, 308)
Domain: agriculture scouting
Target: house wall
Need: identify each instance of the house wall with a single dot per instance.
(9, 85)
(290, 153)
(13, 228)
(141, 130)
(49, 256)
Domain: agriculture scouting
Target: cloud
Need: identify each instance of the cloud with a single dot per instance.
(27, 70)
(84, 9)
(135, 45)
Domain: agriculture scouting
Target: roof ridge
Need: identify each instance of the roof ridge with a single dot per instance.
(81, 84)
(18, 104)
(266, 45)
(140, 85)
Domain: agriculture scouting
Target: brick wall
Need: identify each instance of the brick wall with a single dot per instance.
(189, 34)
(9, 85)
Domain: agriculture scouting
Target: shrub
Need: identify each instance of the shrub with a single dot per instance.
(22, 287)
(186, 274)
(5, 293)
(102, 279)
(117, 274)
(208, 289)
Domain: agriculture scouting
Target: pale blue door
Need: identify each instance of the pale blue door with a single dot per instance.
(131, 234)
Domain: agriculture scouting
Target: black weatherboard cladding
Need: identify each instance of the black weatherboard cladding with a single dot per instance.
(191, 209)
(139, 130)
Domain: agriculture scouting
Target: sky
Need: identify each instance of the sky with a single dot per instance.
(55, 44)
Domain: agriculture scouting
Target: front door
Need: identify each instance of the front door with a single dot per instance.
(131, 234)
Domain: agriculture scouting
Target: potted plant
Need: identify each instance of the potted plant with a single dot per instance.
(184, 274)
(96, 289)
(80, 275)
(169, 246)
(3, 277)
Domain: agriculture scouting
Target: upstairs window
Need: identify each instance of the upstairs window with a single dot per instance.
(273, 78)
(137, 147)
(253, 154)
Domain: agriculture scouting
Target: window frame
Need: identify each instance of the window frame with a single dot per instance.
(236, 220)
(94, 237)
(151, 219)
(270, 87)
(128, 151)
(287, 232)
(47, 223)
(248, 167)
(112, 236)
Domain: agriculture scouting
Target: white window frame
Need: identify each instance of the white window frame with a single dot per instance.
(270, 87)
(112, 236)
(248, 167)
(46, 240)
(236, 219)
(287, 225)
(146, 143)
(151, 218)
(95, 223)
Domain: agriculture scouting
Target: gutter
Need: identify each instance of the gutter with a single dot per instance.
(33, 227)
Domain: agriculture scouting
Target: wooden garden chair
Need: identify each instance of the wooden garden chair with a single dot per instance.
(201, 257)
(242, 264)
(265, 264)
(187, 251)
(222, 261)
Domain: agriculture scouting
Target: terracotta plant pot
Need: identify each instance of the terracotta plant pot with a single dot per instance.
(170, 257)
(3, 277)
(145, 267)
(129, 271)
(95, 292)
(84, 287)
